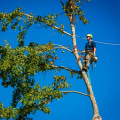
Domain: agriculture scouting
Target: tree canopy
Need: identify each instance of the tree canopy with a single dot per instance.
(19, 65)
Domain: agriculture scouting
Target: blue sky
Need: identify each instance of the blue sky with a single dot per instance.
(104, 25)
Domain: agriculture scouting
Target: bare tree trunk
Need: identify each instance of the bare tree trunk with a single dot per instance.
(96, 115)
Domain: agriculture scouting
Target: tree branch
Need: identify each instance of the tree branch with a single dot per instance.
(62, 67)
(96, 115)
(50, 25)
(60, 46)
(75, 92)
(59, 28)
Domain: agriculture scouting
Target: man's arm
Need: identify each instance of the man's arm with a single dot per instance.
(94, 50)
(83, 51)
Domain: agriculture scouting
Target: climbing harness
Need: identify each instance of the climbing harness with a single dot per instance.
(93, 61)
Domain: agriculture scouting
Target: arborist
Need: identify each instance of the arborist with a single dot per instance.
(90, 50)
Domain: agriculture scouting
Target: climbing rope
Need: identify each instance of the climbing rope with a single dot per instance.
(88, 74)
(98, 41)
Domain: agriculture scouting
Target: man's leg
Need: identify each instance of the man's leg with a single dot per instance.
(88, 58)
(86, 62)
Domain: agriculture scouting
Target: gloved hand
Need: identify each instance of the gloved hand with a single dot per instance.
(93, 55)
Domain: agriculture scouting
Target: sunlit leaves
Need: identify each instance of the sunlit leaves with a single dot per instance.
(21, 21)
(22, 62)
(38, 98)
(17, 20)
(72, 7)
(7, 113)
(6, 19)
(60, 82)
(19, 65)
(17, 68)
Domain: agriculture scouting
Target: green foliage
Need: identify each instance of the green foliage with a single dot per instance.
(16, 65)
(19, 65)
(72, 8)
(7, 113)
(21, 21)
(17, 68)
(14, 19)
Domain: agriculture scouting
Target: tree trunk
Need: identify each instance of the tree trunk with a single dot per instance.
(96, 115)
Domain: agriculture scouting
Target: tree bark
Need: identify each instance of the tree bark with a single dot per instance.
(96, 115)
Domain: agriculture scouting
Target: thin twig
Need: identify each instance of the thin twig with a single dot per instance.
(52, 34)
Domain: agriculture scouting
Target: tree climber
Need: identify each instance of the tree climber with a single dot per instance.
(90, 50)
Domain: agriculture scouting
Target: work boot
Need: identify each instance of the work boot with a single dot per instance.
(85, 68)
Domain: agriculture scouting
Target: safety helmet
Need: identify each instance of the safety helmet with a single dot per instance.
(89, 35)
